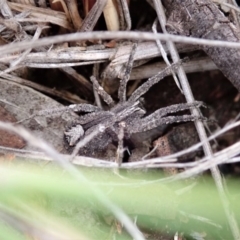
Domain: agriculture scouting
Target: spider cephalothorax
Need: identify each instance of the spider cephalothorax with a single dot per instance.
(127, 116)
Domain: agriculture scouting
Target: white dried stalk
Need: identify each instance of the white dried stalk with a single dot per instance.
(144, 50)
(95, 35)
(5, 10)
(210, 162)
(42, 15)
(15, 64)
(164, 55)
(58, 65)
(111, 16)
(67, 57)
(195, 65)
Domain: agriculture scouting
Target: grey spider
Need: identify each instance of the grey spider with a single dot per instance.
(123, 119)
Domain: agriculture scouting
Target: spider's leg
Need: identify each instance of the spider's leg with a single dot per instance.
(155, 122)
(123, 82)
(94, 117)
(128, 111)
(83, 107)
(172, 109)
(105, 96)
(153, 80)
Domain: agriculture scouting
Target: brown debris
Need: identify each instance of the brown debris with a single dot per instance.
(203, 19)
(179, 138)
(8, 139)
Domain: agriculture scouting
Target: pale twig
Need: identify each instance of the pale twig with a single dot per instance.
(164, 54)
(44, 15)
(151, 163)
(5, 10)
(74, 172)
(26, 52)
(111, 16)
(35, 156)
(15, 64)
(195, 65)
(58, 65)
(212, 161)
(96, 95)
(73, 37)
(74, 55)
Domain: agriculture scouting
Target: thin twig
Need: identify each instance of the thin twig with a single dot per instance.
(164, 54)
(74, 55)
(96, 95)
(195, 65)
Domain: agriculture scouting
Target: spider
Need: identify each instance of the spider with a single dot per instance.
(95, 130)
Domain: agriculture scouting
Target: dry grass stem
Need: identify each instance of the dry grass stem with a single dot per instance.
(42, 15)
(195, 65)
(111, 16)
(75, 37)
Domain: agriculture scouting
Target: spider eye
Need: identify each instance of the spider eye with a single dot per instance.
(74, 134)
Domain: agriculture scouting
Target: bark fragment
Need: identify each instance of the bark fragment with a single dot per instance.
(203, 19)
